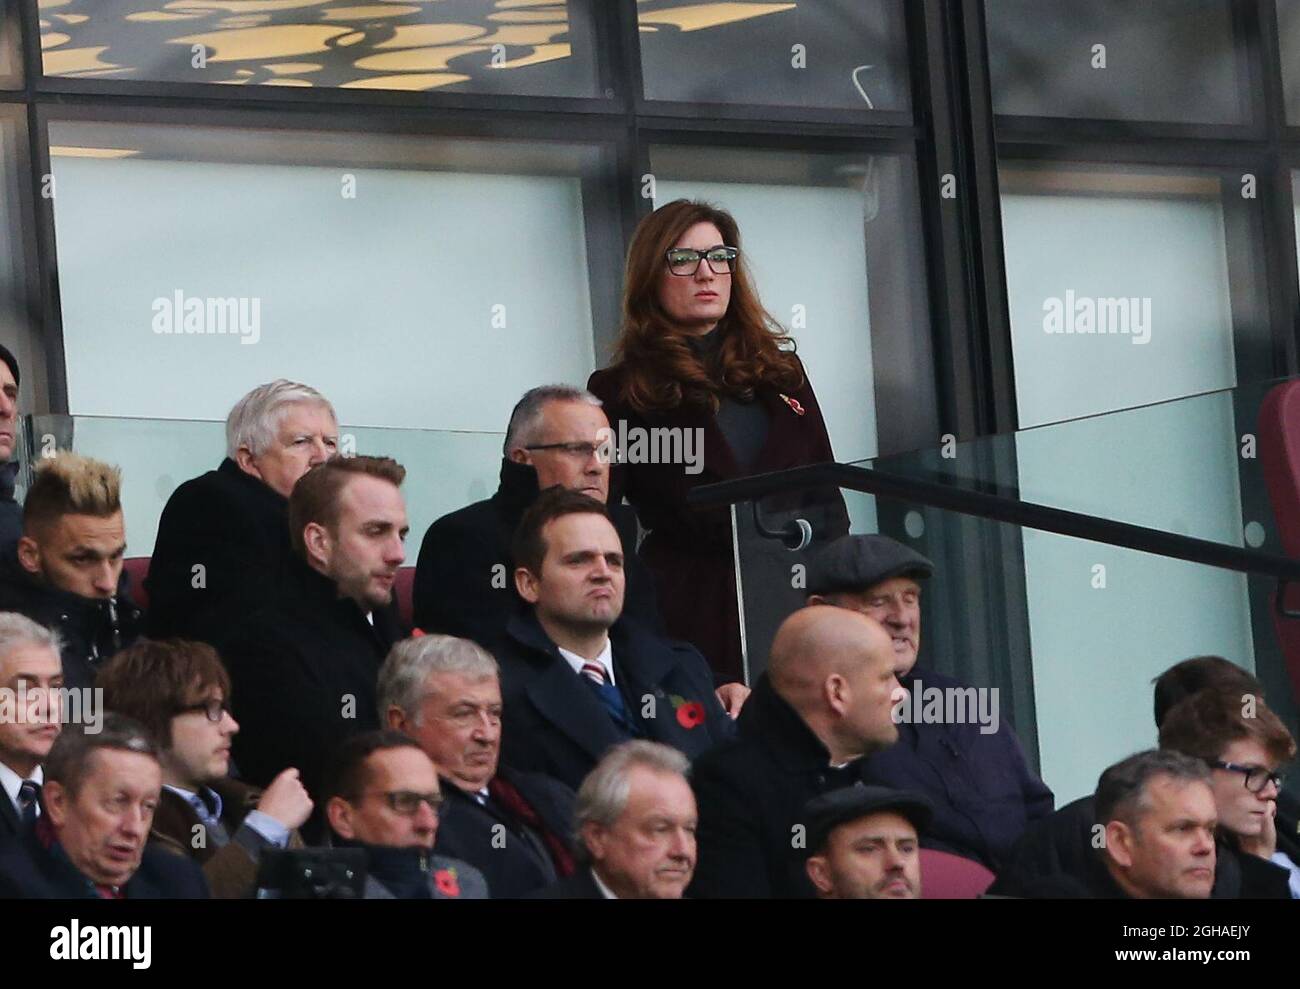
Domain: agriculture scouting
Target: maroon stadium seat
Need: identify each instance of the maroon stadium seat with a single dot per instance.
(945, 876)
(1279, 456)
(137, 566)
(402, 589)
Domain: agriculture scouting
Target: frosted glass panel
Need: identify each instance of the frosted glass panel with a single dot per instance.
(431, 299)
(1119, 300)
(1163, 259)
(1099, 636)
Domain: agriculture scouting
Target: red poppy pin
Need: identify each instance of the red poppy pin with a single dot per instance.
(794, 404)
(689, 713)
(418, 633)
(445, 880)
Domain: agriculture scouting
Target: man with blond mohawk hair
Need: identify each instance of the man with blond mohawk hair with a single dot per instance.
(66, 571)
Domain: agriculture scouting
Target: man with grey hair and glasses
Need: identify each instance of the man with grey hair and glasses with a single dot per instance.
(636, 827)
(31, 675)
(514, 827)
(223, 538)
(464, 579)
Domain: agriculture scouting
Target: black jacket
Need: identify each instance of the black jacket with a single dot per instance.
(512, 857)
(237, 529)
(579, 886)
(751, 793)
(31, 871)
(984, 792)
(11, 513)
(303, 671)
(465, 581)
(554, 723)
(11, 825)
(93, 629)
(1062, 845)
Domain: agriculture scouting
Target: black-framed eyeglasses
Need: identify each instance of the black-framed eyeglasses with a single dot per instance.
(686, 262)
(407, 802)
(1257, 777)
(213, 708)
(579, 451)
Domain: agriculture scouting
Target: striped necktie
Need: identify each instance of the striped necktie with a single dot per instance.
(29, 796)
(594, 674)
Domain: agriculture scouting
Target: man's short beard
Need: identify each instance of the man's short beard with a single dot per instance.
(584, 624)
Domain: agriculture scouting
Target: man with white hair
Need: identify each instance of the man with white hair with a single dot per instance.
(224, 536)
(30, 671)
(636, 824)
(464, 579)
(514, 827)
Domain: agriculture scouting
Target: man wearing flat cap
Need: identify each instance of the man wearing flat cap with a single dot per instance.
(952, 746)
(863, 845)
(11, 513)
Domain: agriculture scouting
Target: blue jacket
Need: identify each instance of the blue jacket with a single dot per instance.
(983, 790)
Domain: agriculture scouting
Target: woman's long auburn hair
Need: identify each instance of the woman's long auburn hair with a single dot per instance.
(660, 369)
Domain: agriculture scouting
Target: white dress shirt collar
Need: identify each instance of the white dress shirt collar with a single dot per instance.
(12, 782)
(605, 659)
(605, 891)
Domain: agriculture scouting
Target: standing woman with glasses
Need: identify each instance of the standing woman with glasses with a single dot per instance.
(698, 352)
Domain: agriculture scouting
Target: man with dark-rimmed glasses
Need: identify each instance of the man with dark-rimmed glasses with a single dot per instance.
(383, 797)
(464, 581)
(180, 692)
(1244, 743)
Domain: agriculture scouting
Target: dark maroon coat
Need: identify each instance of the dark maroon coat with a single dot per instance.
(689, 550)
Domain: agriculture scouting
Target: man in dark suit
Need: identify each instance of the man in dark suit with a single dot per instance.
(576, 680)
(66, 570)
(464, 583)
(11, 513)
(1158, 817)
(974, 773)
(303, 666)
(513, 827)
(1061, 844)
(224, 536)
(180, 692)
(824, 704)
(636, 824)
(383, 797)
(31, 670)
(99, 797)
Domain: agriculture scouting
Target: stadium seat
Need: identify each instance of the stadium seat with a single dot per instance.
(138, 566)
(945, 876)
(1279, 456)
(402, 590)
